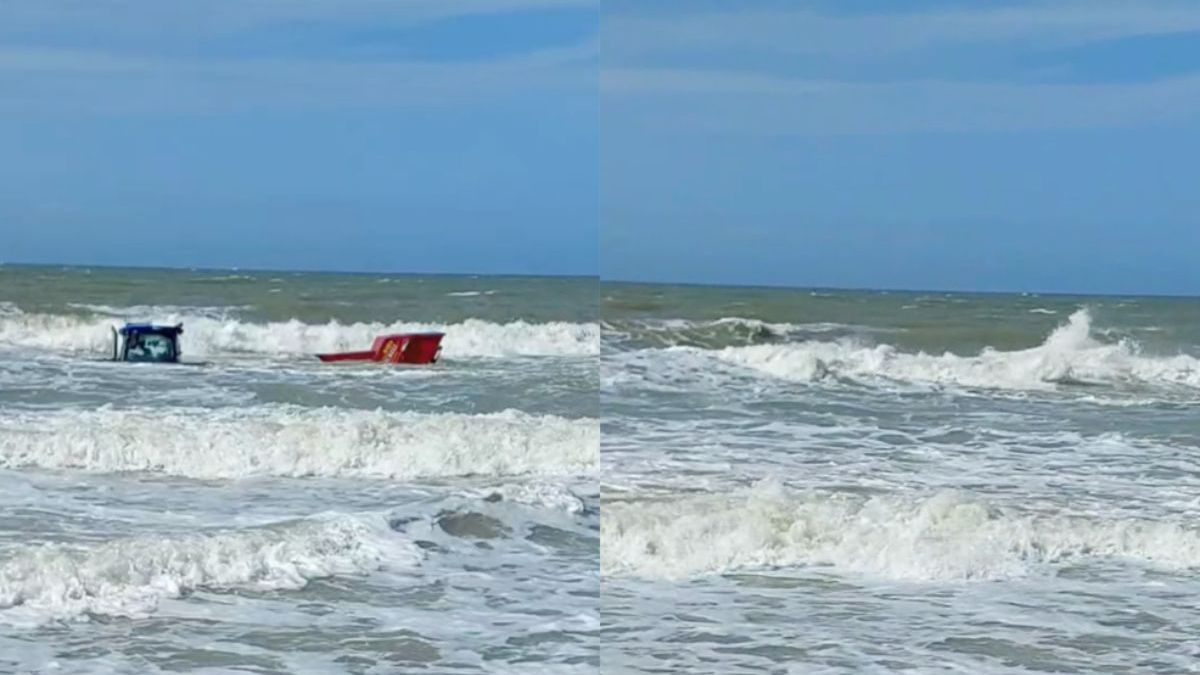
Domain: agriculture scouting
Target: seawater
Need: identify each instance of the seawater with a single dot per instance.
(811, 481)
(770, 480)
(255, 510)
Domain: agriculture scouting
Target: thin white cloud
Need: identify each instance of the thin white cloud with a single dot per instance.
(755, 96)
(37, 61)
(117, 56)
(630, 37)
(72, 80)
(671, 101)
(196, 18)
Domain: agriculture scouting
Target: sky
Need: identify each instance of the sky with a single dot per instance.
(961, 145)
(358, 135)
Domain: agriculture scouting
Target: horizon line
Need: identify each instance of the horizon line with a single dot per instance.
(273, 270)
(897, 289)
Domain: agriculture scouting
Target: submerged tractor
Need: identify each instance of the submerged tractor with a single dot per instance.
(146, 343)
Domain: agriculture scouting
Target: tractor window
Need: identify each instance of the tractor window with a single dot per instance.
(150, 347)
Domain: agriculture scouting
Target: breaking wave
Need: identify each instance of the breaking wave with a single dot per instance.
(120, 312)
(549, 495)
(944, 537)
(206, 336)
(1069, 355)
(128, 577)
(229, 443)
(718, 333)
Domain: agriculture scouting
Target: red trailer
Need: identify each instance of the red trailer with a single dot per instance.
(416, 348)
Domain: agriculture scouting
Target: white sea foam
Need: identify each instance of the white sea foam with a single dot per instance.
(1069, 355)
(671, 328)
(228, 277)
(943, 537)
(782, 328)
(542, 494)
(206, 336)
(293, 441)
(129, 577)
(118, 311)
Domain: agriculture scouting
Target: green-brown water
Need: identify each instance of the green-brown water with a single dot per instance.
(256, 510)
(832, 481)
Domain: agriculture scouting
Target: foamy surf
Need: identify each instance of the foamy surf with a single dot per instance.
(1069, 355)
(133, 474)
(718, 333)
(540, 494)
(120, 312)
(129, 577)
(943, 537)
(206, 336)
(229, 443)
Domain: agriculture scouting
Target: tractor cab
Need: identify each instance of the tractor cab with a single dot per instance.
(148, 343)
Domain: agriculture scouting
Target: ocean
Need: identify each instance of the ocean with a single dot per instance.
(812, 481)
(255, 510)
(681, 479)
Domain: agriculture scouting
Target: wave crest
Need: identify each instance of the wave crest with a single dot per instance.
(718, 333)
(292, 441)
(945, 537)
(206, 336)
(1069, 355)
(129, 577)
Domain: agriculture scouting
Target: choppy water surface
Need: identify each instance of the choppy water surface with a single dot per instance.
(258, 511)
(811, 481)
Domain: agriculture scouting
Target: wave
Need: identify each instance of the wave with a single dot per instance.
(717, 333)
(226, 278)
(1069, 355)
(120, 312)
(228, 443)
(205, 336)
(551, 496)
(128, 577)
(944, 537)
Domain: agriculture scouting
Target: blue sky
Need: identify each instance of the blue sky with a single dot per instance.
(398, 135)
(974, 145)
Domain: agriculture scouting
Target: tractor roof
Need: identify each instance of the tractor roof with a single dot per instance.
(130, 328)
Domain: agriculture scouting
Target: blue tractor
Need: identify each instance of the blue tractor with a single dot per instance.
(147, 343)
